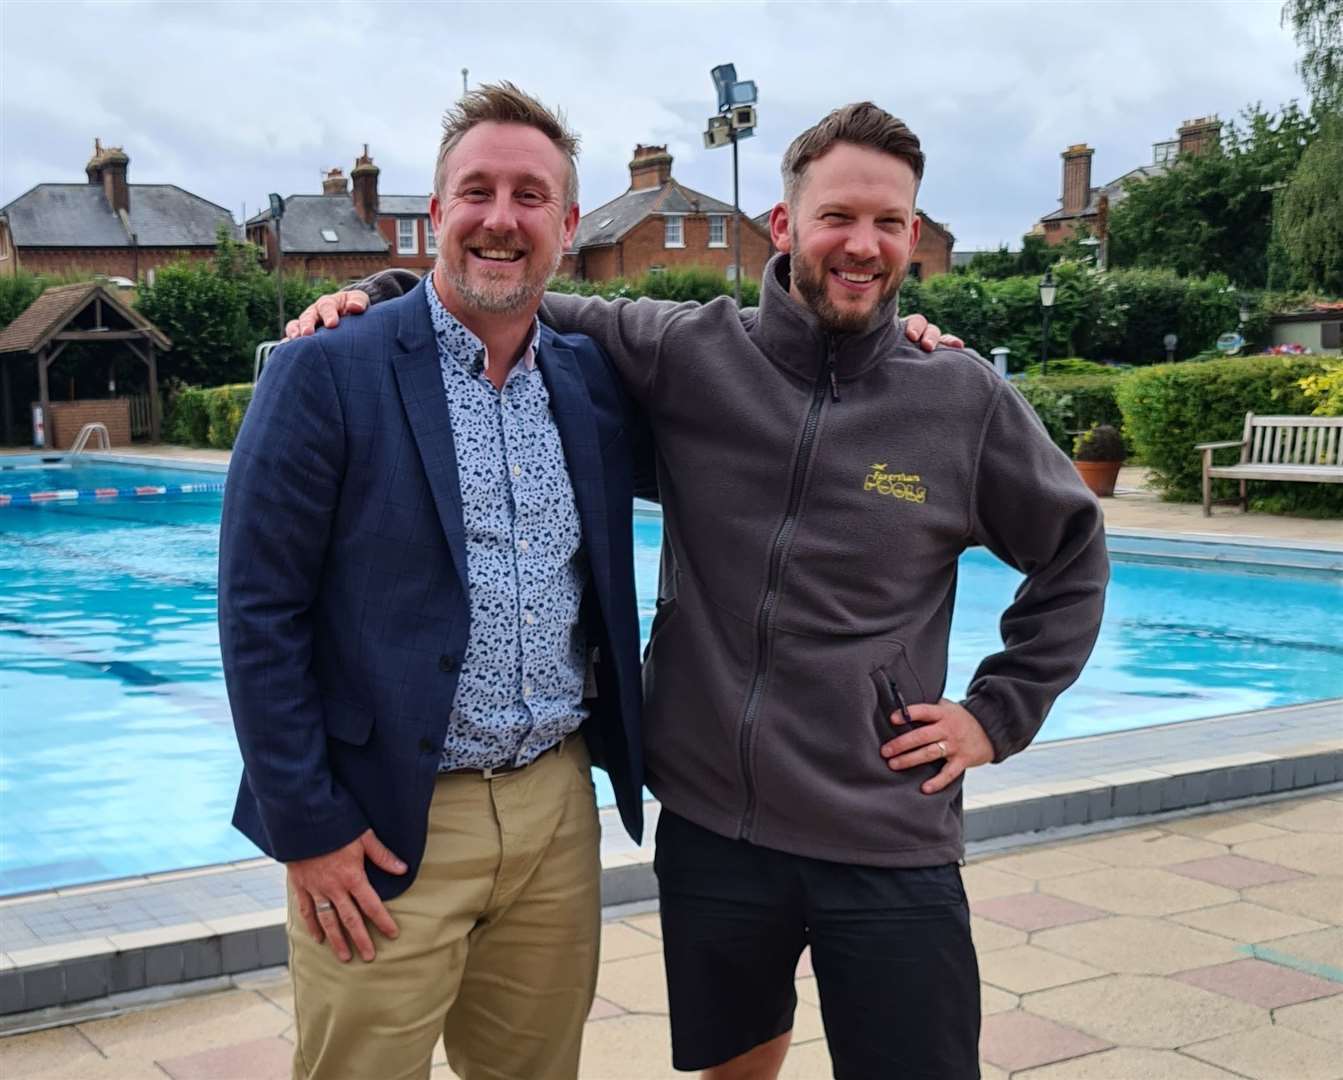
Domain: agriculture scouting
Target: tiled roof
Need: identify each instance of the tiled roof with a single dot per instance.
(609, 223)
(79, 215)
(306, 216)
(403, 205)
(1114, 189)
(49, 313)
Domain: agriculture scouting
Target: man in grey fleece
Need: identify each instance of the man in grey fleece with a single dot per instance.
(820, 477)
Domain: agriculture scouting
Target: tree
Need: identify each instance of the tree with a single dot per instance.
(1319, 30)
(1309, 220)
(1213, 212)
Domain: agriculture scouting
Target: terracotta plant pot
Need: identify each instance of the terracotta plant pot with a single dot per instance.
(1099, 476)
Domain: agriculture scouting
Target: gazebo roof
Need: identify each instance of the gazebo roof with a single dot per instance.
(57, 307)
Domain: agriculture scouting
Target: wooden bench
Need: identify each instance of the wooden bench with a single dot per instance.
(1306, 448)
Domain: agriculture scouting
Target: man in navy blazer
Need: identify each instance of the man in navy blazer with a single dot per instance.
(426, 596)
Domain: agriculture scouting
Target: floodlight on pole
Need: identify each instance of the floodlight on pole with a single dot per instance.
(735, 121)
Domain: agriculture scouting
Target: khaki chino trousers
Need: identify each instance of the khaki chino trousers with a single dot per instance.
(497, 951)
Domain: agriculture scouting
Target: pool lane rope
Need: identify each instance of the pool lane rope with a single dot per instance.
(32, 498)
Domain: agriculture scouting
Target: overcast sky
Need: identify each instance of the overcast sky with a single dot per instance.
(233, 100)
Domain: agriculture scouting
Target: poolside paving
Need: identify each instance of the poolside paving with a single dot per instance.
(1233, 982)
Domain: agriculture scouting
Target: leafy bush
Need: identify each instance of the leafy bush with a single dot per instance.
(697, 283)
(1075, 365)
(208, 416)
(1169, 408)
(1067, 404)
(1325, 389)
(1100, 442)
(217, 312)
(187, 422)
(1119, 316)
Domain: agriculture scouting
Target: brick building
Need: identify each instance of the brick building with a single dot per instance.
(349, 230)
(1082, 204)
(931, 257)
(660, 223)
(107, 225)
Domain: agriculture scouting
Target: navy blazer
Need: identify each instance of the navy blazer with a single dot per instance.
(343, 609)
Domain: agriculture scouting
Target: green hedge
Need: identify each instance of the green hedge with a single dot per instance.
(207, 416)
(1171, 407)
(1072, 403)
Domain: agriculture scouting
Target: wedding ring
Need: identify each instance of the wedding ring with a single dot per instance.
(942, 746)
(323, 905)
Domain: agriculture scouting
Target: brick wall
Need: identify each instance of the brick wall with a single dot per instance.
(933, 253)
(420, 262)
(114, 262)
(65, 418)
(643, 248)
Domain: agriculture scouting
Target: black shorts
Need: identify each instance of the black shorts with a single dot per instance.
(891, 949)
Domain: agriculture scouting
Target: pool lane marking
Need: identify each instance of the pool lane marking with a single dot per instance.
(80, 555)
(29, 498)
(1272, 956)
(1208, 634)
(215, 710)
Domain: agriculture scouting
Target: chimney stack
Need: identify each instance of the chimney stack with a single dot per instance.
(1201, 135)
(365, 175)
(335, 183)
(650, 168)
(1076, 177)
(108, 167)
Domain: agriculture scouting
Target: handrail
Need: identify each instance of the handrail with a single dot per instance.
(85, 433)
(260, 357)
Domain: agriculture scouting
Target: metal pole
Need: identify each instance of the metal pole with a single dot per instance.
(279, 278)
(736, 224)
(1044, 345)
(464, 82)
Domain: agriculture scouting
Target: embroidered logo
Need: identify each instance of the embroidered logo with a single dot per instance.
(901, 485)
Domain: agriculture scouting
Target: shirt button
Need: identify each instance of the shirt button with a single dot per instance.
(426, 746)
(447, 663)
(526, 690)
(523, 545)
(517, 470)
(528, 618)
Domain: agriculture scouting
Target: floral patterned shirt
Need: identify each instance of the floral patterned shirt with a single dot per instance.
(520, 689)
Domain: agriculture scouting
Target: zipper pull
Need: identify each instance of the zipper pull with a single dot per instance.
(834, 382)
(900, 700)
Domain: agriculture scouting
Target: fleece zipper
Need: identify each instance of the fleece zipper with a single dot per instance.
(825, 380)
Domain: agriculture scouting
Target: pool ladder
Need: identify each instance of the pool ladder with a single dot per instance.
(87, 432)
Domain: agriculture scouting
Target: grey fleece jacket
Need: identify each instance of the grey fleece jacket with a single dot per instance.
(817, 494)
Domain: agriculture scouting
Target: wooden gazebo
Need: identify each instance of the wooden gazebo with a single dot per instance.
(87, 312)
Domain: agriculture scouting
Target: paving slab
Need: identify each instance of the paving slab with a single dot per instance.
(1245, 922)
(1145, 1011)
(1035, 911)
(1128, 1063)
(1137, 891)
(1234, 871)
(1322, 1019)
(1020, 1040)
(1261, 983)
(1134, 945)
(1027, 968)
(1273, 1053)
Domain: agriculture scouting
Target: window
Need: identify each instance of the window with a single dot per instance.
(718, 230)
(329, 235)
(1331, 334)
(916, 271)
(406, 242)
(673, 231)
(430, 240)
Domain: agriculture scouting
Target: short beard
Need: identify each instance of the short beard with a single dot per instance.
(811, 283)
(498, 299)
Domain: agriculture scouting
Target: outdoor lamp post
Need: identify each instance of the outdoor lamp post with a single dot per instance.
(1170, 341)
(735, 121)
(276, 213)
(1048, 291)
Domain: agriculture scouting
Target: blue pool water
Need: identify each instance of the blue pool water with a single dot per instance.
(116, 747)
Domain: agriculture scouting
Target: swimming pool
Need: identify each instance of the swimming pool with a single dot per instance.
(114, 720)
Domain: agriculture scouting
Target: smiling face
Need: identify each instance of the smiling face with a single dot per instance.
(502, 217)
(850, 231)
